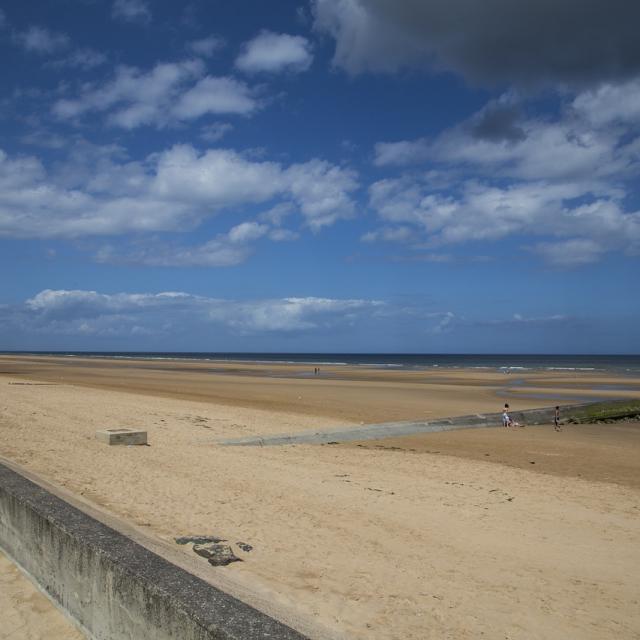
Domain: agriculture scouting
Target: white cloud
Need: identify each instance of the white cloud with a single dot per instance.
(246, 232)
(99, 192)
(160, 97)
(218, 177)
(444, 322)
(322, 191)
(517, 320)
(567, 148)
(576, 252)
(224, 250)
(215, 95)
(275, 52)
(41, 40)
(136, 89)
(291, 314)
(79, 312)
(562, 179)
(389, 234)
(283, 235)
(611, 104)
(482, 212)
(206, 46)
(222, 178)
(215, 131)
(277, 214)
(131, 11)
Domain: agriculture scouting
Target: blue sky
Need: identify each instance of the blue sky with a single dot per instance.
(320, 175)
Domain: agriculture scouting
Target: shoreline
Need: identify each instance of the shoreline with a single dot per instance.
(363, 360)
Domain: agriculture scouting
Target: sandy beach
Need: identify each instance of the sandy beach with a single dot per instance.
(497, 533)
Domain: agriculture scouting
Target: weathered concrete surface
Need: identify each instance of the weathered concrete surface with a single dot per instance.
(395, 429)
(112, 586)
(26, 613)
(121, 436)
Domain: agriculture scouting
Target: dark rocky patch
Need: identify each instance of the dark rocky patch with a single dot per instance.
(244, 546)
(218, 555)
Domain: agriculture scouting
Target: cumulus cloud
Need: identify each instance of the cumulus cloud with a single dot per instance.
(292, 314)
(275, 52)
(225, 250)
(222, 178)
(131, 11)
(550, 150)
(101, 192)
(140, 96)
(215, 131)
(578, 144)
(498, 41)
(481, 212)
(564, 177)
(79, 312)
(160, 97)
(215, 95)
(611, 103)
(322, 191)
(38, 39)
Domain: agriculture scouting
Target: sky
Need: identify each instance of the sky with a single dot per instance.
(419, 176)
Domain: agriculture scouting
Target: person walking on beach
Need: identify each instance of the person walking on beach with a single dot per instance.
(506, 420)
(556, 419)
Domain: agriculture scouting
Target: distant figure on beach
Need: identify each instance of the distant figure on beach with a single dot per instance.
(506, 420)
(556, 419)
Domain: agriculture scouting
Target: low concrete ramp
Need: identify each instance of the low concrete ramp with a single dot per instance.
(395, 429)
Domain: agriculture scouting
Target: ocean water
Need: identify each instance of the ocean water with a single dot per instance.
(511, 363)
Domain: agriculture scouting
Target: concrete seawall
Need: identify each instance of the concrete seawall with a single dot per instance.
(395, 429)
(112, 586)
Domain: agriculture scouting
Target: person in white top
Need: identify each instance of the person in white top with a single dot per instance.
(506, 420)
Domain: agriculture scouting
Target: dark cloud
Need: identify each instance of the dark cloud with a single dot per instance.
(498, 124)
(527, 43)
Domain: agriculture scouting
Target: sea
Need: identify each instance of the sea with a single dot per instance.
(509, 363)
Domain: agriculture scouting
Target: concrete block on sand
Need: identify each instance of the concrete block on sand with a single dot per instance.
(121, 436)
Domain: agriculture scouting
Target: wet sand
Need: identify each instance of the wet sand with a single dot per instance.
(600, 452)
(357, 542)
(350, 394)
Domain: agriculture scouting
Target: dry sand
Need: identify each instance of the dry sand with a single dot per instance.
(366, 542)
(26, 613)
